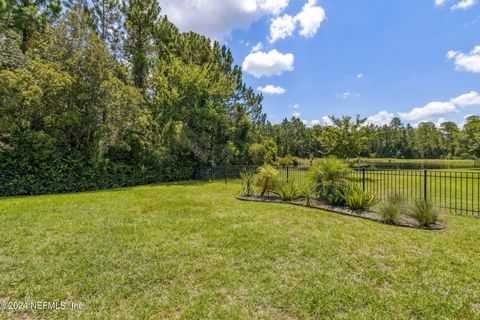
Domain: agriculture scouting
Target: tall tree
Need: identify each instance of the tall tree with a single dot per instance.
(141, 18)
(28, 17)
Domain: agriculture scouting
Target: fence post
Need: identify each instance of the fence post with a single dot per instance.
(363, 179)
(287, 174)
(225, 173)
(211, 173)
(425, 184)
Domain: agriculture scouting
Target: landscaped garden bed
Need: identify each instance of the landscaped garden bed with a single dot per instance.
(404, 221)
(328, 189)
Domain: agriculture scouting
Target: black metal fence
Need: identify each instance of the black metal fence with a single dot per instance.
(456, 192)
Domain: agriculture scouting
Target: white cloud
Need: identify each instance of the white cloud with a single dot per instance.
(296, 106)
(282, 27)
(347, 94)
(271, 6)
(431, 110)
(315, 122)
(439, 122)
(381, 118)
(327, 120)
(310, 18)
(216, 18)
(466, 62)
(269, 64)
(297, 114)
(270, 89)
(468, 99)
(439, 2)
(257, 47)
(360, 76)
(464, 4)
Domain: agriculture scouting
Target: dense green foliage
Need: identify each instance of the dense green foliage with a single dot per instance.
(103, 93)
(96, 95)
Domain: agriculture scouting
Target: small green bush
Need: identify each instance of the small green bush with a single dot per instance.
(308, 192)
(330, 176)
(357, 199)
(266, 178)
(287, 191)
(391, 208)
(247, 178)
(334, 195)
(424, 212)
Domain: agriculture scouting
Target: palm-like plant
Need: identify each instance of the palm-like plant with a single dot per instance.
(266, 178)
(329, 174)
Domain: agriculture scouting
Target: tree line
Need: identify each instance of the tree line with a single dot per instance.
(104, 93)
(351, 137)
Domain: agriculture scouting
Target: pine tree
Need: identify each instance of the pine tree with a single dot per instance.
(141, 18)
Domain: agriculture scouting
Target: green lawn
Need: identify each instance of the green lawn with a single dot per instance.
(191, 251)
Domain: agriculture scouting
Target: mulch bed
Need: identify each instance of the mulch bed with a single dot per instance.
(404, 220)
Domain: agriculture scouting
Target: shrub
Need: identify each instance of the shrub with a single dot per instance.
(391, 208)
(308, 192)
(330, 175)
(287, 191)
(334, 196)
(424, 212)
(247, 178)
(288, 161)
(266, 178)
(357, 199)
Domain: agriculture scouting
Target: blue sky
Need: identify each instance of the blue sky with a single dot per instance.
(416, 59)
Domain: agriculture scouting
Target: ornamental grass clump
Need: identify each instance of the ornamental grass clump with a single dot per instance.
(266, 178)
(424, 212)
(247, 180)
(391, 208)
(357, 199)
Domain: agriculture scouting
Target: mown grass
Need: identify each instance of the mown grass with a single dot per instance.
(415, 163)
(453, 162)
(191, 251)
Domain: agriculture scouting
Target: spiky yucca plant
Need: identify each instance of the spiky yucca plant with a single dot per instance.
(308, 192)
(357, 199)
(247, 178)
(287, 191)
